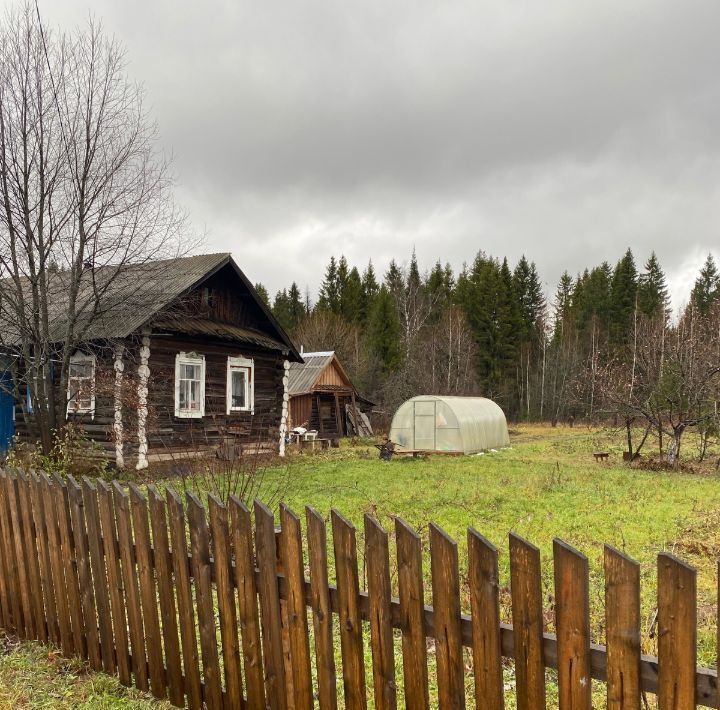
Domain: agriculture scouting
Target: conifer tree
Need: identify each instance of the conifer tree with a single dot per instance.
(343, 271)
(370, 288)
(330, 289)
(528, 290)
(653, 299)
(440, 283)
(295, 306)
(595, 306)
(263, 293)
(707, 286)
(394, 279)
(352, 297)
(281, 309)
(384, 330)
(562, 304)
(623, 293)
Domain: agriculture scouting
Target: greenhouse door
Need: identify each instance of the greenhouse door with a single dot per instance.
(424, 428)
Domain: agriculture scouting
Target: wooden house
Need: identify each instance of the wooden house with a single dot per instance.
(323, 398)
(184, 358)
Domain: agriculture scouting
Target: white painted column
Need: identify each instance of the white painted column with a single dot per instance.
(286, 399)
(118, 422)
(142, 395)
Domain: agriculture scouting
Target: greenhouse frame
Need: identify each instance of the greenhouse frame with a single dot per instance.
(465, 425)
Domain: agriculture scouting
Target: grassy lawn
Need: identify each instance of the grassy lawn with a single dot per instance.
(546, 485)
(33, 676)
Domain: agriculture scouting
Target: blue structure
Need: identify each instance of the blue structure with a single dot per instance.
(7, 412)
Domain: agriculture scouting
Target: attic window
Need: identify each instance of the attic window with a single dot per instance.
(81, 384)
(189, 385)
(207, 297)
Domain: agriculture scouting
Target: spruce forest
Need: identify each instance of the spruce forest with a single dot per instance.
(606, 347)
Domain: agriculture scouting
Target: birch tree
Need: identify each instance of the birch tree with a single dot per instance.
(85, 191)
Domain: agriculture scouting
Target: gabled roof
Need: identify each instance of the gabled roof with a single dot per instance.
(303, 376)
(128, 297)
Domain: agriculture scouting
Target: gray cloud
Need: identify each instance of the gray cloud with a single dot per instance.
(567, 131)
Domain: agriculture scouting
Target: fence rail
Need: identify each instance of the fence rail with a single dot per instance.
(185, 605)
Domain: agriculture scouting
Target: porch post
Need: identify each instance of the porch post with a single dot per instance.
(142, 395)
(118, 421)
(285, 400)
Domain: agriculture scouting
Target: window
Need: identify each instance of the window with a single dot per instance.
(240, 385)
(189, 385)
(81, 384)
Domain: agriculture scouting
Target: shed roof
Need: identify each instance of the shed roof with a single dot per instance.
(302, 376)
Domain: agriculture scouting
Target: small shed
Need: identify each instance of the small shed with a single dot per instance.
(323, 398)
(452, 424)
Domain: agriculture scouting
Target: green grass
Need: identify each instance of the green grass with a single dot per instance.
(546, 485)
(34, 676)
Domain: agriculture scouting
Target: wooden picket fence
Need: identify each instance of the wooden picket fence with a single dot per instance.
(108, 575)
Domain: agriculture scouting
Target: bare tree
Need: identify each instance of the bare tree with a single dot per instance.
(85, 191)
(672, 381)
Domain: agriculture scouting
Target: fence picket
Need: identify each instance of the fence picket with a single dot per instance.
(163, 570)
(148, 596)
(351, 632)
(42, 538)
(6, 573)
(247, 603)
(226, 601)
(377, 559)
(446, 605)
(322, 610)
(28, 626)
(92, 568)
(572, 622)
(186, 615)
(130, 583)
(294, 567)
(527, 616)
(412, 615)
(8, 542)
(115, 585)
(622, 630)
(82, 604)
(677, 624)
(31, 556)
(485, 611)
(202, 574)
(70, 563)
(270, 607)
(98, 566)
(57, 565)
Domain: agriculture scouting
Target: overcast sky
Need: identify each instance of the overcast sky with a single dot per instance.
(567, 131)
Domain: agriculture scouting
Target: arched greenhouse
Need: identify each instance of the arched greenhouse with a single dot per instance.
(451, 424)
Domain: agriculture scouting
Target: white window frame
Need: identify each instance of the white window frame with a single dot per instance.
(189, 359)
(241, 363)
(81, 358)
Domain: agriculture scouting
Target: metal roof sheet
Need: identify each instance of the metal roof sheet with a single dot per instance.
(303, 375)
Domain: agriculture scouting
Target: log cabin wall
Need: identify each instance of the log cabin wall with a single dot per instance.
(99, 426)
(168, 433)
